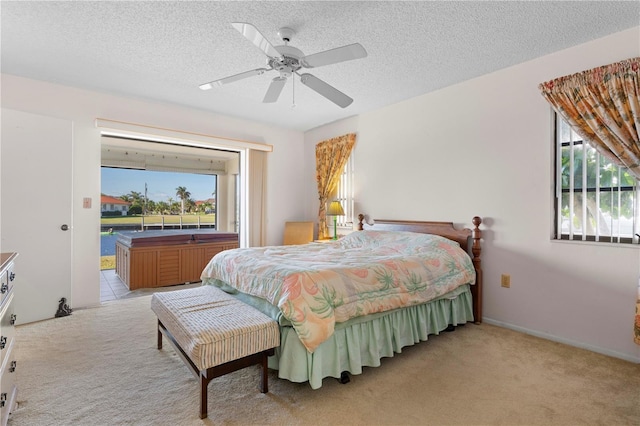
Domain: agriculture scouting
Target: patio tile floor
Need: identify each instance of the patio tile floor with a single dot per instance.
(112, 287)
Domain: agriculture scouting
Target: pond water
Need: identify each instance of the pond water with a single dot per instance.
(108, 243)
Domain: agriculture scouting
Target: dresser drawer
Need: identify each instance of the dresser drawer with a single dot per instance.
(8, 388)
(4, 286)
(6, 282)
(7, 329)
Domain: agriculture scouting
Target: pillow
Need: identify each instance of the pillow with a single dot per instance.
(401, 241)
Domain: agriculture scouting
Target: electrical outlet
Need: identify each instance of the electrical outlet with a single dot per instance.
(505, 280)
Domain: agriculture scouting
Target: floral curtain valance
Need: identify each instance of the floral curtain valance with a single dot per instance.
(331, 157)
(603, 106)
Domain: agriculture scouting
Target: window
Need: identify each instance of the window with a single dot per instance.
(595, 199)
(344, 194)
(249, 165)
(129, 163)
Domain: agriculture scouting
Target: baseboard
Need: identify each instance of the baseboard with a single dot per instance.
(569, 342)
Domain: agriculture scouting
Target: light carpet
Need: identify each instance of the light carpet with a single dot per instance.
(100, 366)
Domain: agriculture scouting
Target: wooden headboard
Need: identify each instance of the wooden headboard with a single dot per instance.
(469, 240)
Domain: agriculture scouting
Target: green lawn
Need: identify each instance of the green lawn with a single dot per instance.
(107, 262)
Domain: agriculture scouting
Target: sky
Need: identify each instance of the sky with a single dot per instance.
(160, 185)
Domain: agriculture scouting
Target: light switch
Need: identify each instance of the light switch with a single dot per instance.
(86, 203)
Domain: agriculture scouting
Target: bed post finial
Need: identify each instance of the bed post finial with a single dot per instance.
(476, 234)
(360, 220)
(477, 220)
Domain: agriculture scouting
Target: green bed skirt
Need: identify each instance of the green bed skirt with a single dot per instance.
(361, 343)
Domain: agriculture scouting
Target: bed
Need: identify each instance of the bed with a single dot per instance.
(346, 304)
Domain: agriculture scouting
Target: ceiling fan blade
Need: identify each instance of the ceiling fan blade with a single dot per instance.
(326, 90)
(232, 78)
(333, 56)
(275, 88)
(255, 37)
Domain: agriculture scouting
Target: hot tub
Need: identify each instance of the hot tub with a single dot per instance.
(149, 259)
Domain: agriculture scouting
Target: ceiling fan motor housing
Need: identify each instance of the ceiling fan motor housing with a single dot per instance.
(289, 63)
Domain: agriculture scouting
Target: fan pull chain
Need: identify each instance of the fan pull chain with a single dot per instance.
(293, 91)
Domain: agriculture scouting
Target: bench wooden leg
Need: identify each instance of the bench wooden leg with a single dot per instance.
(264, 386)
(204, 384)
(159, 335)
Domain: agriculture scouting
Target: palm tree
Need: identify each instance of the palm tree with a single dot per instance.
(151, 206)
(133, 197)
(162, 207)
(183, 194)
(174, 208)
(206, 206)
(190, 205)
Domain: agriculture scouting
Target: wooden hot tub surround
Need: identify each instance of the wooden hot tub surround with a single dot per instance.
(152, 259)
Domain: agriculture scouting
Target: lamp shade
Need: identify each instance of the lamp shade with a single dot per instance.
(335, 209)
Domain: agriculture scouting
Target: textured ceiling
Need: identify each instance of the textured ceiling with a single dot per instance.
(164, 50)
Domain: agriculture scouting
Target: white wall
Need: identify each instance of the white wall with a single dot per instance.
(284, 188)
(484, 147)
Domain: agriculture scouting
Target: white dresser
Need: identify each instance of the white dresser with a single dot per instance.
(8, 388)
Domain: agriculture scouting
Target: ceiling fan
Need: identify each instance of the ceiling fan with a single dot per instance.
(288, 60)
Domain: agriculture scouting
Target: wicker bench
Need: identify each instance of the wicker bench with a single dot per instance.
(214, 333)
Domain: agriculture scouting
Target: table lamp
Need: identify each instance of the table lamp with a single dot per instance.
(335, 210)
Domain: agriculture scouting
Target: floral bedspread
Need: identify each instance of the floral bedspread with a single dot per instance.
(318, 284)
